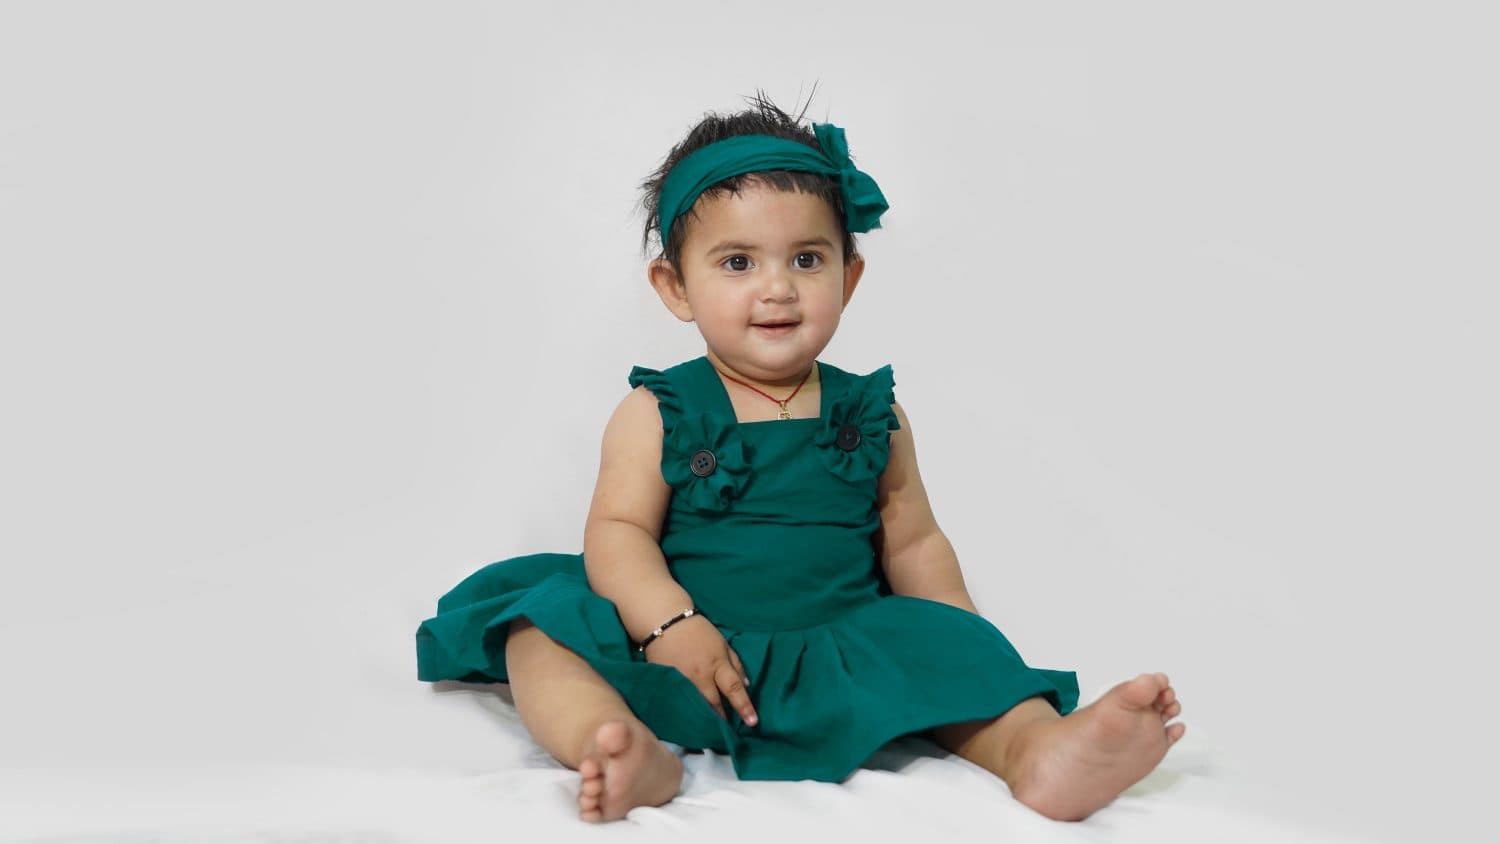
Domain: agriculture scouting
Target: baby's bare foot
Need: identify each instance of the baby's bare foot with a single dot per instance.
(624, 766)
(1067, 768)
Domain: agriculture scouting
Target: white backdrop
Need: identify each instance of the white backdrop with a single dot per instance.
(311, 309)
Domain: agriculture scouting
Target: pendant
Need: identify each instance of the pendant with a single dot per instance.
(785, 414)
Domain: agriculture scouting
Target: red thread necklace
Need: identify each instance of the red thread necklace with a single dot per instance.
(785, 414)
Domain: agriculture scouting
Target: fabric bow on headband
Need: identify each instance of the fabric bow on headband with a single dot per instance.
(863, 201)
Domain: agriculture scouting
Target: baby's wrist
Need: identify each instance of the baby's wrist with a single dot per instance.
(662, 628)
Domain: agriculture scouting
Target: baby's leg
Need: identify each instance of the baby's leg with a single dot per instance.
(582, 721)
(1067, 768)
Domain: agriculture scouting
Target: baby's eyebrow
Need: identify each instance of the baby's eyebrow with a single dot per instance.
(737, 246)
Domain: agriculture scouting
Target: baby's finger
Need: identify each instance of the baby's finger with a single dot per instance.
(733, 686)
(739, 666)
(711, 694)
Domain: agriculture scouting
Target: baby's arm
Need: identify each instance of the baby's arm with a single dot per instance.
(621, 551)
(623, 559)
(916, 556)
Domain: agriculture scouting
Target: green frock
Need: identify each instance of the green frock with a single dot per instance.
(772, 537)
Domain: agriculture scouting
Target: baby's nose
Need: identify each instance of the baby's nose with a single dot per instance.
(778, 286)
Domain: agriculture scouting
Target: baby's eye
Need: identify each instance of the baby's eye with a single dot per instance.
(808, 260)
(738, 263)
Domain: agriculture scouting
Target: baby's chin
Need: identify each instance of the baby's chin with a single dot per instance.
(772, 362)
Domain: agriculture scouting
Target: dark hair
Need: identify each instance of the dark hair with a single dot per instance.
(763, 117)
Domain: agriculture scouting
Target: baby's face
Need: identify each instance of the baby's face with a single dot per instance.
(765, 256)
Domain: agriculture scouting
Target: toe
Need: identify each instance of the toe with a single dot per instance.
(592, 787)
(1164, 700)
(1174, 732)
(1171, 712)
(1141, 692)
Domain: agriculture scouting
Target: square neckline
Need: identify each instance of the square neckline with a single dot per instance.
(727, 405)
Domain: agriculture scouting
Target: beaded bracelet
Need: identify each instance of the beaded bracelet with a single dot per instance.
(687, 613)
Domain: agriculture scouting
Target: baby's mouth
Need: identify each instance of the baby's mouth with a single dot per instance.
(775, 329)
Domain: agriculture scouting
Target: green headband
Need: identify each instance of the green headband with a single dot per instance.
(863, 201)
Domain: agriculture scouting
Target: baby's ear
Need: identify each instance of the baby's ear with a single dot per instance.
(670, 287)
(854, 269)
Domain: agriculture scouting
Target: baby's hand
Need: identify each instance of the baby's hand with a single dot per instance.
(695, 647)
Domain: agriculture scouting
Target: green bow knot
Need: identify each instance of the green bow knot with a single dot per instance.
(862, 199)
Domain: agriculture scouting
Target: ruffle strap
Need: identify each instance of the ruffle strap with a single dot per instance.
(855, 441)
(703, 457)
(665, 391)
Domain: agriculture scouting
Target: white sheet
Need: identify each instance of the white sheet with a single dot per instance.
(910, 787)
